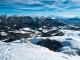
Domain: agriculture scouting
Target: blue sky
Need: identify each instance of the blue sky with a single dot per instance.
(67, 8)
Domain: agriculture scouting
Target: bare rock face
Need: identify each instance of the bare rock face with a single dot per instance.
(24, 40)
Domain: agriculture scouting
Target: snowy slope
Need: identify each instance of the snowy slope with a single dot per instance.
(71, 38)
(70, 41)
(28, 51)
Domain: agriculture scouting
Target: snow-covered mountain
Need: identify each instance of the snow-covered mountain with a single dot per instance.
(30, 51)
(71, 21)
(17, 27)
(38, 38)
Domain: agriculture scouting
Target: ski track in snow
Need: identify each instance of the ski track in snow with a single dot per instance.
(7, 51)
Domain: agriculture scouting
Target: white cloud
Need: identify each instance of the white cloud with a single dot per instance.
(58, 5)
(36, 8)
